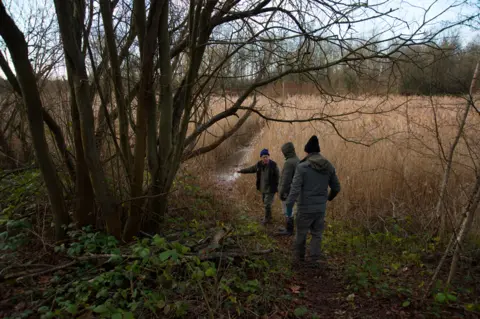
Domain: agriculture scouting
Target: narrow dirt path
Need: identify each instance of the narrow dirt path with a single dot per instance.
(321, 291)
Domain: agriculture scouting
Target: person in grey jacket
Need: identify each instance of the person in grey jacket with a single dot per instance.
(313, 176)
(286, 178)
(267, 181)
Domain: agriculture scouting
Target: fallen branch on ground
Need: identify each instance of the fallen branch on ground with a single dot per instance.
(231, 254)
(220, 236)
(211, 256)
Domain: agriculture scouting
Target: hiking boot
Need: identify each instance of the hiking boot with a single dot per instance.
(288, 230)
(319, 262)
(299, 262)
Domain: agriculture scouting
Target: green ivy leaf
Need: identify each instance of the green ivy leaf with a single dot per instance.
(128, 315)
(102, 293)
(406, 303)
(160, 304)
(300, 311)
(72, 308)
(451, 297)
(440, 298)
(144, 253)
(117, 316)
(115, 258)
(197, 275)
(396, 266)
(100, 309)
(168, 254)
(211, 272)
(43, 309)
(470, 307)
(159, 241)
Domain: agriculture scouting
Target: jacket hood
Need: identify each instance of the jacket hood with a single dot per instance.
(288, 150)
(318, 162)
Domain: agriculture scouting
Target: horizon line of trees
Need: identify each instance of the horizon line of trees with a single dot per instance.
(445, 68)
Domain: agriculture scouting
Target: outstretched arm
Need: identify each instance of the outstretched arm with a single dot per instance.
(248, 170)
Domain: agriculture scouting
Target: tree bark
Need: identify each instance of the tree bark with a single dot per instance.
(464, 229)
(18, 48)
(474, 198)
(84, 212)
(146, 102)
(76, 61)
(159, 157)
(446, 175)
(106, 11)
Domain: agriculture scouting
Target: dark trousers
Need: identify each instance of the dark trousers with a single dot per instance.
(315, 223)
(267, 199)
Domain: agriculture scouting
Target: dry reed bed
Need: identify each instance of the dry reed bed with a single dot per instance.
(400, 172)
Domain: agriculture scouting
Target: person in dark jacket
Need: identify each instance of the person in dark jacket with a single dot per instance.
(288, 171)
(313, 176)
(267, 181)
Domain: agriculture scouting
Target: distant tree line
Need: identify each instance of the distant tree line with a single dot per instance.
(443, 68)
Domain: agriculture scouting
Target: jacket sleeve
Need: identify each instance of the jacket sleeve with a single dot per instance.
(296, 186)
(277, 174)
(287, 177)
(334, 184)
(249, 170)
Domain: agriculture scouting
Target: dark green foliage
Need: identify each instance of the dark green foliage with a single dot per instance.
(154, 277)
(391, 264)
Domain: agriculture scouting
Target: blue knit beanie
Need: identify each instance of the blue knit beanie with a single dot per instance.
(264, 152)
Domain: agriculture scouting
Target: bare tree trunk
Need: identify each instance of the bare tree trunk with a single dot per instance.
(134, 216)
(84, 212)
(23, 135)
(446, 175)
(199, 32)
(464, 229)
(159, 163)
(473, 202)
(146, 102)
(60, 141)
(18, 48)
(106, 11)
(76, 61)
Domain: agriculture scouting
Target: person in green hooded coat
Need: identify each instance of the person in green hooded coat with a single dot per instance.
(286, 178)
(313, 177)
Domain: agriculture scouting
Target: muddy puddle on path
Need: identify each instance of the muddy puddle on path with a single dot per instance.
(226, 172)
